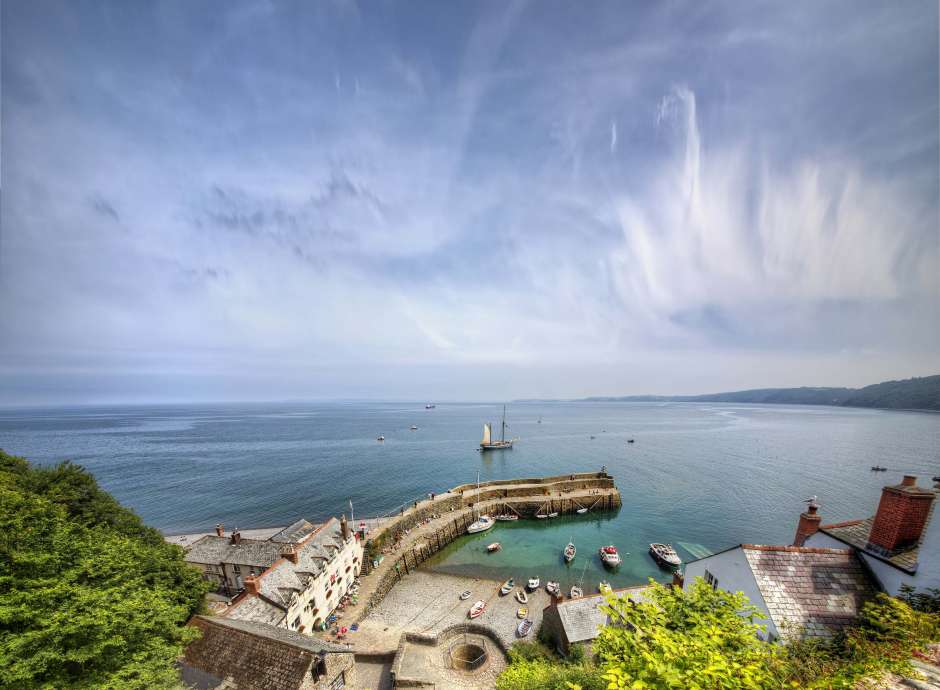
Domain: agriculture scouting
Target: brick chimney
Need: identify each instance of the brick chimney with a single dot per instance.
(219, 530)
(253, 584)
(901, 517)
(344, 527)
(289, 552)
(808, 524)
(236, 537)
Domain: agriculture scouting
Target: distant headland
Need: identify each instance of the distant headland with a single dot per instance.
(909, 394)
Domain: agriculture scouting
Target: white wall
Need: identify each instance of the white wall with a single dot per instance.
(734, 575)
(346, 564)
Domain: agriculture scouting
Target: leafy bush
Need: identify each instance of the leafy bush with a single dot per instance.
(927, 600)
(89, 596)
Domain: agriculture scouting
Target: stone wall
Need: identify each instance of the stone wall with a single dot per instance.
(440, 640)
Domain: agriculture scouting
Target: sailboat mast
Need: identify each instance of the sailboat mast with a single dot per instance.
(503, 432)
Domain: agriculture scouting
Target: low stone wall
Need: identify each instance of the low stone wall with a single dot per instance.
(534, 480)
(440, 640)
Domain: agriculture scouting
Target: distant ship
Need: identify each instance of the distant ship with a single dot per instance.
(429, 406)
(488, 443)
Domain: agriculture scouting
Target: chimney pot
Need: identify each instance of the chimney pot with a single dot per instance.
(252, 584)
(220, 530)
(909, 480)
(902, 514)
(808, 525)
(290, 553)
(344, 527)
(236, 537)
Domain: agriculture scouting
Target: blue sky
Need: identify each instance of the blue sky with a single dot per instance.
(468, 200)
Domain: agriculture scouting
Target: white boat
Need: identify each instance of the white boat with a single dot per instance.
(477, 609)
(380, 438)
(541, 517)
(552, 587)
(665, 555)
(581, 511)
(553, 515)
(482, 523)
(522, 597)
(429, 406)
(576, 592)
(533, 583)
(495, 546)
(609, 556)
(524, 628)
(570, 552)
(465, 595)
(507, 518)
(507, 587)
(414, 427)
(489, 443)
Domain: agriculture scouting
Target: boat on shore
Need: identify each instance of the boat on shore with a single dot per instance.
(465, 595)
(522, 612)
(506, 518)
(552, 587)
(576, 592)
(570, 552)
(610, 556)
(494, 547)
(522, 597)
(665, 555)
(524, 628)
(477, 609)
(533, 584)
(489, 443)
(507, 587)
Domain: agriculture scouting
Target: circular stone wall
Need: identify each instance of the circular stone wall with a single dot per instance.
(467, 656)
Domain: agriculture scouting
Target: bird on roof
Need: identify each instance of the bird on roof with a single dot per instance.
(810, 501)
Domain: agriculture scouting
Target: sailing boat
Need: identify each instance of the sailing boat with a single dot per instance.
(483, 522)
(489, 443)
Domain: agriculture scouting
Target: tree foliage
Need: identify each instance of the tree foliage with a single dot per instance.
(696, 639)
(534, 666)
(89, 596)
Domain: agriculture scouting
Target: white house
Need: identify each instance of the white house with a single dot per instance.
(798, 591)
(899, 544)
(305, 585)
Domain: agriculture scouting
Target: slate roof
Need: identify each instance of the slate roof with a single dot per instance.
(253, 608)
(855, 533)
(279, 582)
(294, 533)
(809, 590)
(252, 552)
(255, 656)
(582, 618)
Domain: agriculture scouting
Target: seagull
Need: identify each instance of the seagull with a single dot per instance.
(811, 500)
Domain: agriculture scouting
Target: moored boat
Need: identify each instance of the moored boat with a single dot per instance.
(507, 587)
(495, 546)
(522, 597)
(581, 511)
(609, 556)
(604, 587)
(477, 609)
(570, 552)
(553, 515)
(522, 612)
(524, 628)
(465, 595)
(506, 518)
(490, 443)
(482, 523)
(575, 592)
(552, 587)
(380, 438)
(533, 584)
(414, 427)
(665, 555)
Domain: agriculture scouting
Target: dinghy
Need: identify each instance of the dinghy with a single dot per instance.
(604, 588)
(507, 587)
(533, 584)
(552, 587)
(495, 546)
(465, 595)
(576, 592)
(581, 511)
(553, 515)
(522, 597)
(522, 612)
(609, 556)
(477, 609)
(507, 518)
(570, 552)
(524, 628)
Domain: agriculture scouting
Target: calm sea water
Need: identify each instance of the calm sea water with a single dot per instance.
(702, 476)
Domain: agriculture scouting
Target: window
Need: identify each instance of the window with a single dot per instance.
(296, 623)
(236, 569)
(711, 580)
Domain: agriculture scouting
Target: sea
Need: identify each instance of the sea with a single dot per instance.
(700, 476)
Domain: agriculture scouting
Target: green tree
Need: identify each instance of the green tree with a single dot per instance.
(699, 638)
(89, 596)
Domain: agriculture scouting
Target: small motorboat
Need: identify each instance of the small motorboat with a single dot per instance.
(482, 523)
(581, 511)
(477, 609)
(429, 406)
(552, 587)
(524, 628)
(629, 440)
(665, 555)
(604, 588)
(522, 612)
(506, 518)
(507, 587)
(414, 427)
(522, 597)
(609, 556)
(879, 468)
(553, 515)
(465, 595)
(570, 552)
(495, 546)
(533, 584)
(593, 437)
(380, 438)
(576, 592)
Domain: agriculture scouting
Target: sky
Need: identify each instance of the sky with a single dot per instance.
(464, 200)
